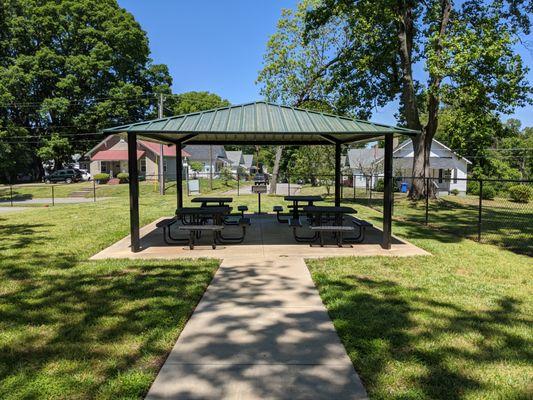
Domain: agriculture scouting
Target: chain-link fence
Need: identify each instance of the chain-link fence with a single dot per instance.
(486, 210)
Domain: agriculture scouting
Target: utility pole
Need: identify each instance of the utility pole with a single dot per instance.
(161, 147)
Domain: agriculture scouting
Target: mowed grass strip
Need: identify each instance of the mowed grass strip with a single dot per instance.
(76, 329)
(454, 325)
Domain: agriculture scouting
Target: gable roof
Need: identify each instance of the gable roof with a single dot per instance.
(259, 123)
(364, 157)
(168, 151)
(407, 142)
(202, 152)
(248, 160)
(234, 157)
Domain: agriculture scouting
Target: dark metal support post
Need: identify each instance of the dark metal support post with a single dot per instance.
(134, 191)
(179, 177)
(337, 174)
(387, 195)
(480, 210)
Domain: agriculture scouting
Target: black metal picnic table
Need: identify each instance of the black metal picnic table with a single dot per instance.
(215, 201)
(295, 199)
(197, 218)
(319, 212)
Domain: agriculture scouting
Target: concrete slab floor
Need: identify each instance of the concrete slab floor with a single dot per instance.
(271, 339)
(265, 237)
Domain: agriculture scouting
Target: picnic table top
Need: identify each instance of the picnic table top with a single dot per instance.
(330, 210)
(303, 198)
(212, 200)
(202, 210)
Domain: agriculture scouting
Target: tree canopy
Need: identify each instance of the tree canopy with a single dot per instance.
(69, 68)
(190, 102)
(466, 50)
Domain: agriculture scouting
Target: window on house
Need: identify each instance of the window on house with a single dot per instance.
(165, 166)
(441, 174)
(103, 167)
(143, 165)
(455, 175)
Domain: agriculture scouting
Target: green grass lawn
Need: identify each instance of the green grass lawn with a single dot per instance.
(456, 325)
(77, 329)
(42, 190)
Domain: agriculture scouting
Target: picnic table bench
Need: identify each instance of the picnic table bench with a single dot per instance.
(196, 222)
(297, 199)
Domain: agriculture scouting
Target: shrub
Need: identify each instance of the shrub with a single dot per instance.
(472, 187)
(489, 192)
(226, 175)
(380, 185)
(455, 192)
(101, 178)
(521, 193)
(123, 177)
(196, 166)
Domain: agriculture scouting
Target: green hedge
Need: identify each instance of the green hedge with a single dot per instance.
(521, 193)
(101, 178)
(123, 177)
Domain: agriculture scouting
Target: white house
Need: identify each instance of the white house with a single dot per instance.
(446, 167)
(211, 157)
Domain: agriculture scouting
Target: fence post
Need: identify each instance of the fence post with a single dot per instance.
(427, 200)
(94, 190)
(53, 201)
(479, 210)
(370, 192)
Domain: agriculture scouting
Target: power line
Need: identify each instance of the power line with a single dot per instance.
(79, 101)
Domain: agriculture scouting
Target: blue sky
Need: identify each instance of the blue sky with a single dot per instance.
(218, 46)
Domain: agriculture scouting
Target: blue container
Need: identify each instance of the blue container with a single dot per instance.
(403, 187)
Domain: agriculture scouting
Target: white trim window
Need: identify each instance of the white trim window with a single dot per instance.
(103, 167)
(142, 163)
(165, 165)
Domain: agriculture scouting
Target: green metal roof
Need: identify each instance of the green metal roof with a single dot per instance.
(259, 123)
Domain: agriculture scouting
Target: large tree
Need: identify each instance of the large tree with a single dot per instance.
(466, 50)
(69, 68)
(298, 73)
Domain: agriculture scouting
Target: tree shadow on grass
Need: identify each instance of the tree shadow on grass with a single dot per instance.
(18, 236)
(5, 197)
(386, 326)
(94, 325)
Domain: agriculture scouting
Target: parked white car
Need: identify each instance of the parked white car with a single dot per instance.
(85, 175)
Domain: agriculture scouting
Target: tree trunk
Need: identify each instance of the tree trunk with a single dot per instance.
(275, 170)
(422, 143)
(421, 152)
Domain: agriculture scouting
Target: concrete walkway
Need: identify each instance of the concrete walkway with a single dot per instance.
(259, 332)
